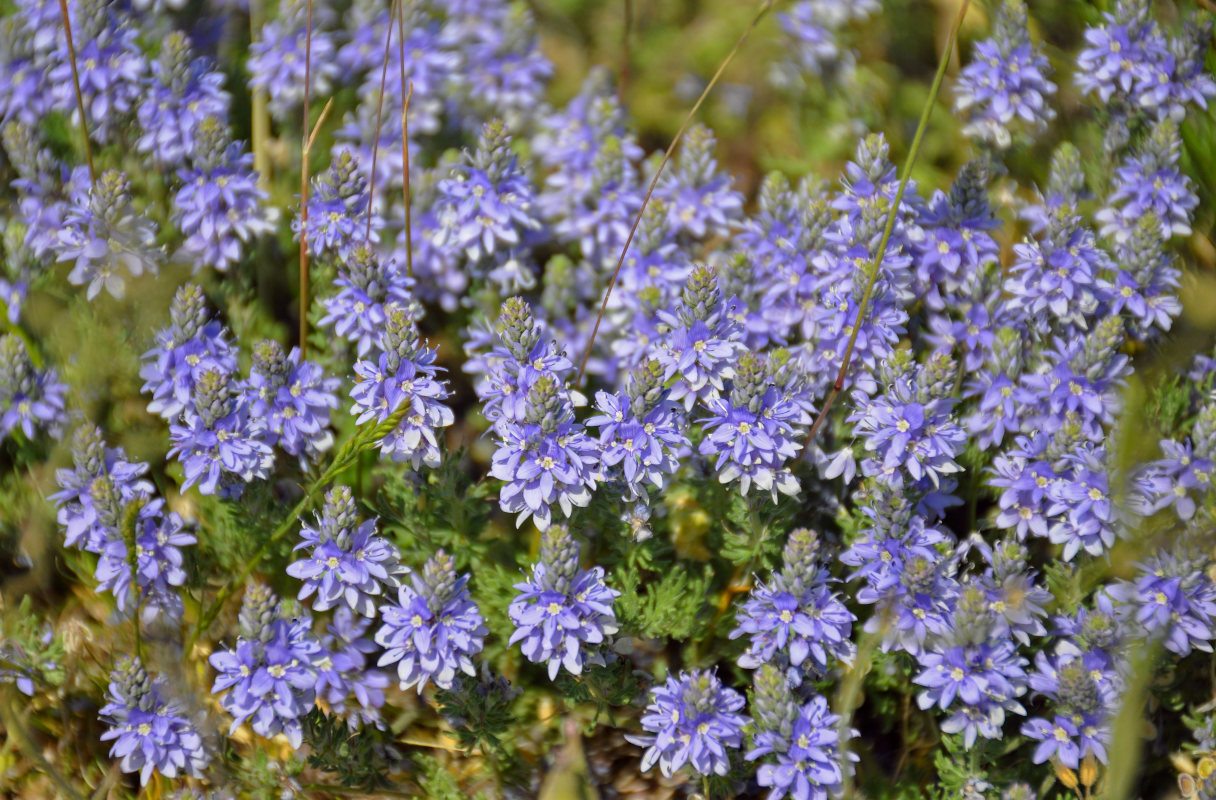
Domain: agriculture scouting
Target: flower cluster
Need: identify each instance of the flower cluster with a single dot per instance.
(796, 622)
(107, 507)
(271, 673)
(434, 629)
(346, 563)
(400, 385)
(150, 729)
(562, 609)
(31, 399)
(800, 743)
(1005, 81)
(693, 719)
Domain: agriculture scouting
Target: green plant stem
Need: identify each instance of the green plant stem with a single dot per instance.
(848, 697)
(362, 439)
(872, 276)
(675, 142)
(305, 143)
(260, 109)
(16, 729)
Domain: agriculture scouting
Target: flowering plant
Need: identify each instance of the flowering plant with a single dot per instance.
(381, 414)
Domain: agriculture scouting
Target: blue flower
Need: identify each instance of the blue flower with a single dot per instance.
(86, 523)
(337, 211)
(641, 433)
(434, 629)
(1082, 502)
(272, 678)
(347, 564)
(219, 208)
(485, 206)
(152, 586)
(183, 92)
(403, 377)
(105, 237)
(1057, 279)
(217, 437)
(561, 609)
(151, 732)
(277, 61)
(910, 430)
(756, 430)
(371, 288)
(1174, 601)
(1151, 183)
(546, 460)
(807, 757)
(1081, 689)
(694, 719)
(111, 67)
(344, 682)
(1129, 58)
(700, 202)
(703, 342)
(1179, 479)
(985, 677)
(1005, 81)
(294, 398)
(31, 399)
(796, 615)
(192, 344)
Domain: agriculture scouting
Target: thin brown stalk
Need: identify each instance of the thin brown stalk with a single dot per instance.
(675, 142)
(371, 189)
(306, 141)
(626, 55)
(872, 276)
(405, 145)
(84, 123)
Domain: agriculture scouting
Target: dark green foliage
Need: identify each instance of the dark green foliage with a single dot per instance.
(1169, 405)
(359, 758)
(443, 508)
(608, 686)
(669, 605)
(434, 780)
(480, 713)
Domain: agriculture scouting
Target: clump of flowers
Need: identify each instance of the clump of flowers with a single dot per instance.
(562, 611)
(149, 729)
(401, 384)
(31, 399)
(220, 207)
(347, 564)
(294, 398)
(1005, 82)
(434, 629)
(795, 622)
(193, 343)
(692, 719)
(105, 238)
(799, 743)
(270, 675)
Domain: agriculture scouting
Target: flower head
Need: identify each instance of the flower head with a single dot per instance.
(692, 718)
(562, 609)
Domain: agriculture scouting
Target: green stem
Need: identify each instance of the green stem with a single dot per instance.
(16, 729)
(872, 274)
(362, 439)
